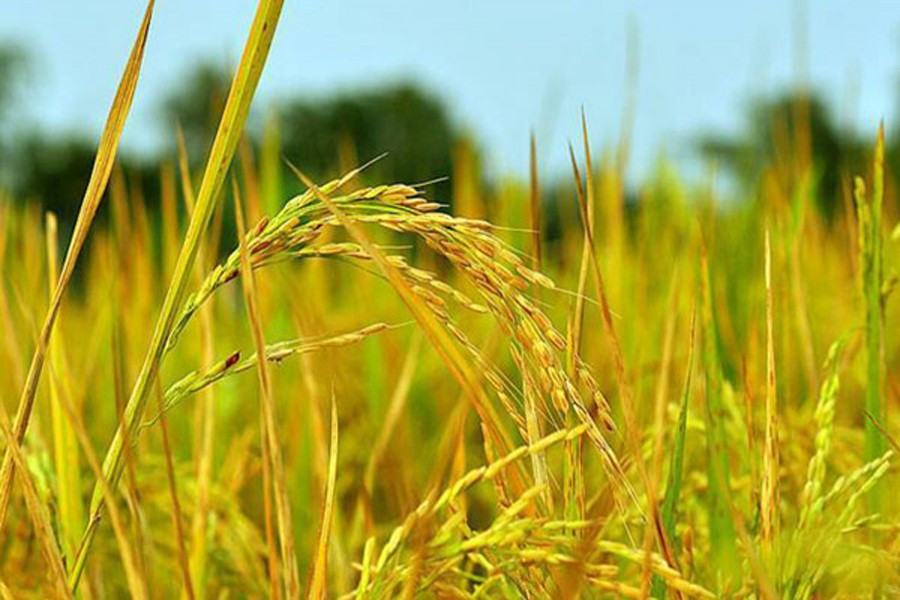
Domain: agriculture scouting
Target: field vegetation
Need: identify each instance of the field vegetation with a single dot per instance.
(374, 388)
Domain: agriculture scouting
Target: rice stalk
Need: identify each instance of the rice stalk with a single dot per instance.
(632, 434)
(134, 575)
(721, 526)
(824, 418)
(535, 208)
(177, 518)
(870, 251)
(319, 576)
(65, 446)
(10, 338)
(770, 494)
(277, 352)
(235, 113)
(674, 481)
(37, 510)
(93, 195)
(417, 306)
(207, 409)
(270, 437)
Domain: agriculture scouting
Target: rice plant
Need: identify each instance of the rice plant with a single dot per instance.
(447, 402)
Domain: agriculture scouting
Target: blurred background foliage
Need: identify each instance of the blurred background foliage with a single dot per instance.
(326, 135)
(329, 134)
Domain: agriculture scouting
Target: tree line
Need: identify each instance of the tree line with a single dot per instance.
(327, 133)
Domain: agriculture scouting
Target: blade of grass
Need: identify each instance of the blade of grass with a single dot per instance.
(93, 195)
(585, 201)
(268, 527)
(237, 108)
(37, 510)
(532, 419)
(573, 467)
(318, 587)
(132, 494)
(207, 405)
(669, 509)
(870, 237)
(282, 500)
(10, 339)
(577, 319)
(658, 435)
(676, 470)
(887, 435)
(134, 577)
(534, 204)
(65, 447)
(632, 434)
(177, 520)
(769, 501)
(724, 550)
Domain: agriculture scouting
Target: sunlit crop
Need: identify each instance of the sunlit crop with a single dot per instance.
(372, 393)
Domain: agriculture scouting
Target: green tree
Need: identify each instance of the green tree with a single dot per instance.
(796, 126)
(196, 106)
(412, 126)
(324, 134)
(13, 65)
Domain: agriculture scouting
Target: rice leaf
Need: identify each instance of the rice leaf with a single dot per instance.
(237, 107)
(870, 238)
(723, 552)
(93, 195)
(318, 587)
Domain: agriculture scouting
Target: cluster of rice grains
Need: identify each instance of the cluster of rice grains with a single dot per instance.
(548, 398)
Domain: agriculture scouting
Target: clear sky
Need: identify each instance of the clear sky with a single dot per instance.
(504, 67)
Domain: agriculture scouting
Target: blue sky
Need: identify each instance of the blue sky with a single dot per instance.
(504, 67)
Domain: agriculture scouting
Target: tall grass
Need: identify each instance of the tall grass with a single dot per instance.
(237, 107)
(447, 403)
(103, 165)
(870, 249)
